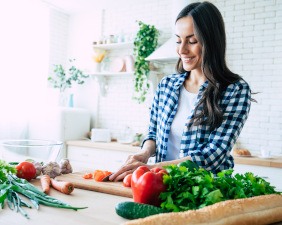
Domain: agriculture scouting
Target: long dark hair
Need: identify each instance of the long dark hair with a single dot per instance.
(210, 31)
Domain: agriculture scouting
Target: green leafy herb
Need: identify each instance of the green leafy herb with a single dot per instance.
(196, 188)
(5, 169)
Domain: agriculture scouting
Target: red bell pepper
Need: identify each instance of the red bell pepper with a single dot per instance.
(147, 185)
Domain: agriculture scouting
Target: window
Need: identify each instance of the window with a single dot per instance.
(24, 57)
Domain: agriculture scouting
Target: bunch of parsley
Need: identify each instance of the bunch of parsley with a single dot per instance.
(197, 188)
(6, 169)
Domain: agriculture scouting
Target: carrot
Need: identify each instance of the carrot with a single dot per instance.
(62, 186)
(45, 181)
(99, 175)
(87, 176)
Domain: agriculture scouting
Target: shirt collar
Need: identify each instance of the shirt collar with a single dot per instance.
(182, 78)
(204, 86)
(180, 81)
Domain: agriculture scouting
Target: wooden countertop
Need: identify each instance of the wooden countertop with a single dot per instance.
(275, 161)
(101, 210)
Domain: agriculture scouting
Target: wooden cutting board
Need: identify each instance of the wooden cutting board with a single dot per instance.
(113, 188)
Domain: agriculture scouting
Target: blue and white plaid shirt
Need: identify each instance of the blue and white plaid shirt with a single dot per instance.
(210, 149)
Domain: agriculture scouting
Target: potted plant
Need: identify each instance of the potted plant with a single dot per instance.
(64, 80)
(145, 43)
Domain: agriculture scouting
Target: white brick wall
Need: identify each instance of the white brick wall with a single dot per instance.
(117, 110)
(59, 24)
(254, 50)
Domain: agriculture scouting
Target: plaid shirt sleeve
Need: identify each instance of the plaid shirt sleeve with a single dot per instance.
(161, 109)
(212, 148)
(153, 118)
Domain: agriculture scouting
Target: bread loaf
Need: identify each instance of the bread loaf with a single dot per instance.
(241, 152)
(265, 209)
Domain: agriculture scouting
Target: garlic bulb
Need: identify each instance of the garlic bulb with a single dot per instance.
(65, 166)
(52, 169)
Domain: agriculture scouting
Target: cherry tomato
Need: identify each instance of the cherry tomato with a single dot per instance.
(127, 180)
(26, 170)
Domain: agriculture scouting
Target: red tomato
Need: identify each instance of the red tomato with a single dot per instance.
(26, 170)
(127, 180)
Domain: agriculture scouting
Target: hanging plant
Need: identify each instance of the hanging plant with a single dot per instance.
(145, 43)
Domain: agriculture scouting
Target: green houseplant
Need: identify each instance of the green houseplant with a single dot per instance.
(64, 80)
(145, 43)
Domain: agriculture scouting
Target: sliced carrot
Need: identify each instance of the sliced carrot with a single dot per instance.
(62, 186)
(45, 181)
(87, 176)
(99, 175)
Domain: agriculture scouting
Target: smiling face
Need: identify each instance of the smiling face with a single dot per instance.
(188, 48)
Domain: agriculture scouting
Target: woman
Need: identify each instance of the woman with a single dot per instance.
(198, 113)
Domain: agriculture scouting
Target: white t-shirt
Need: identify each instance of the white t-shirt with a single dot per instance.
(186, 104)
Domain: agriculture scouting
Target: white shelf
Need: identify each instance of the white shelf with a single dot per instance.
(163, 60)
(114, 46)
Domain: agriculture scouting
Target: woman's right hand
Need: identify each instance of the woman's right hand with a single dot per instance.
(131, 164)
(134, 161)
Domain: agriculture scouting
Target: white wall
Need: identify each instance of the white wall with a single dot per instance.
(254, 50)
(254, 31)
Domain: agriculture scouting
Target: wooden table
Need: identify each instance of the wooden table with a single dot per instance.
(100, 211)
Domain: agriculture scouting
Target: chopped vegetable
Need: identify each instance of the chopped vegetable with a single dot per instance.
(88, 176)
(65, 166)
(52, 169)
(62, 186)
(99, 175)
(147, 185)
(45, 181)
(196, 188)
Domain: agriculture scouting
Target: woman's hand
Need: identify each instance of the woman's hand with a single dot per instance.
(134, 161)
(131, 164)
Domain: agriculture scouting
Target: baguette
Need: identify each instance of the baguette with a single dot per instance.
(265, 209)
(241, 152)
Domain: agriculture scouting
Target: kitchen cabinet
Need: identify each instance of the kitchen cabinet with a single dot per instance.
(87, 155)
